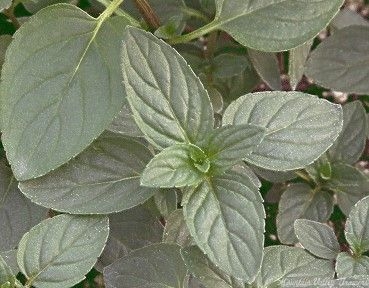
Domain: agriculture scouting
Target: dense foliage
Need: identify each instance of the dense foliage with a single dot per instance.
(184, 143)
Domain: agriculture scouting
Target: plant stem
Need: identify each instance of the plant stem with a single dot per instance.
(10, 14)
(302, 174)
(121, 12)
(151, 18)
(195, 13)
(195, 34)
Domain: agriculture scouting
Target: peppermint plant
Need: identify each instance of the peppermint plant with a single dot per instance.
(152, 143)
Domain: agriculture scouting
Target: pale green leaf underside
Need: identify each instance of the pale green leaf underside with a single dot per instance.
(299, 127)
(172, 167)
(168, 101)
(340, 62)
(274, 25)
(61, 87)
(347, 266)
(129, 230)
(300, 202)
(61, 250)
(6, 274)
(350, 185)
(155, 266)
(204, 270)
(357, 226)
(17, 213)
(296, 62)
(228, 145)
(266, 65)
(283, 262)
(4, 4)
(319, 239)
(225, 216)
(351, 143)
(105, 178)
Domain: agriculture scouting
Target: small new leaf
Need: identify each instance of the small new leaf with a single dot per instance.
(176, 166)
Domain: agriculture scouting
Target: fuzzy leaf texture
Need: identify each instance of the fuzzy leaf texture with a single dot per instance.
(68, 87)
(169, 103)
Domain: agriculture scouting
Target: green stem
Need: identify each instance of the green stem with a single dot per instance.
(195, 34)
(195, 13)
(119, 12)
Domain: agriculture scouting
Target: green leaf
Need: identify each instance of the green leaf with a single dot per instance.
(347, 266)
(129, 230)
(68, 87)
(283, 263)
(266, 64)
(319, 239)
(10, 258)
(72, 247)
(274, 176)
(34, 6)
(166, 201)
(4, 4)
(176, 231)
(124, 124)
(17, 213)
(339, 62)
(225, 216)
(228, 145)
(357, 227)
(6, 274)
(296, 62)
(299, 127)
(155, 266)
(169, 103)
(176, 166)
(347, 17)
(300, 201)
(105, 178)
(256, 24)
(5, 40)
(350, 145)
(204, 270)
(350, 185)
(227, 65)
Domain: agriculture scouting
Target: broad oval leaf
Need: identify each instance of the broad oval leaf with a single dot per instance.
(283, 262)
(6, 274)
(267, 66)
(124, 124)
(299, 201)
(319, 239)
(168, 101)
(228, 145)
(129, 230)
(166, 201)
(299, 127)
(350, 185)
(347, 17)
(347, 266)
(72, 247)
(68, 87)
(225, 215)
(204, 270)
(351, 143)
(175, 167)
(357, 226)
(17, 213)
(271, 25)
(154, 266)
(339, 63)
(104, 178)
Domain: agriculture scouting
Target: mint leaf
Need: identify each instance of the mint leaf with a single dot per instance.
(156, 266)
(299, 127)
(168, 101)
(296, 62)
(166, 201)
(357, 227)
(347, 266)
(319, 239)
(225, 216)
(68, 87)
(74, 243)
(337, 63)
(176, 231)
(301, 201)
(255, 24)
(6, 274)
(124, 124)
(176, 166)
(105, 178)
